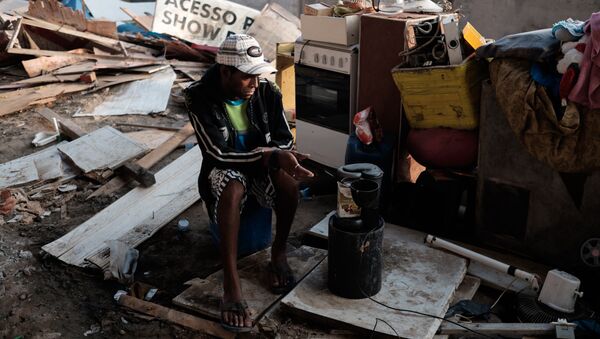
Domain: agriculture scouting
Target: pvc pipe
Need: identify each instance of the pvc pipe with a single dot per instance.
(487, 261)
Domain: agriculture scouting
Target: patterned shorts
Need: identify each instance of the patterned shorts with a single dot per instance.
(261, 187)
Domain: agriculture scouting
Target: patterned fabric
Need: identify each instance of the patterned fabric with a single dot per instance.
(243, 52)
(261, 187)
(571, 144)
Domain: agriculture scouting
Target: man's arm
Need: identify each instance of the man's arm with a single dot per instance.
(281, 135)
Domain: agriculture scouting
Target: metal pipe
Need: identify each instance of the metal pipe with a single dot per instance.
(493, 263)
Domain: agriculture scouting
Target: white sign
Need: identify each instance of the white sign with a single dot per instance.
(206, 22)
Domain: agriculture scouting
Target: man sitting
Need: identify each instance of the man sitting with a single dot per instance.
(246, 145)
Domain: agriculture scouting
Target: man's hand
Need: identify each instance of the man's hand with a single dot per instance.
(288, 161)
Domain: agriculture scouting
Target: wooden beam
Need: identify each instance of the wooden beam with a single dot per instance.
(15, 36)
(502, 329)
(66, 126)
(41, 65)
(174, 316)
(84, 56)
(101, 40)
(164, 128)
(138, 173)
(148, 160)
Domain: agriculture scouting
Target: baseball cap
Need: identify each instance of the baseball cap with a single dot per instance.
(244, 53)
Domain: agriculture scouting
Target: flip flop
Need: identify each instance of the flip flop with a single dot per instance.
(238, 307)
(288, 275)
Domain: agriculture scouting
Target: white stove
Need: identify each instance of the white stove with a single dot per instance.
(326, 78)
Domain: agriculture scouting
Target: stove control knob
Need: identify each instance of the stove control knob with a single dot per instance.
(341, 62)
(316, 56)
(332, 61)
(324, 59)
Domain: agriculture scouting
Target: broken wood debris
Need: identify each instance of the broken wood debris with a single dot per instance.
(104, 148)
(203, 295)
(148, 160)
(174, 316)
(129, 219)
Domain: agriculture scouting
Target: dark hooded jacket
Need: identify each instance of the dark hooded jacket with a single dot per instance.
(216, 135)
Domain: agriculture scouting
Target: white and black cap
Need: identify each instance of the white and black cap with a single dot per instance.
(244, 53)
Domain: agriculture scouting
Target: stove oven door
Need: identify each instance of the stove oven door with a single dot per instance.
(323, 98)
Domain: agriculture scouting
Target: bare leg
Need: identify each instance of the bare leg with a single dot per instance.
(286, 203)
(228, 216)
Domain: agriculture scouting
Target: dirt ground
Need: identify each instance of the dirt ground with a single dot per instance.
(42, 297)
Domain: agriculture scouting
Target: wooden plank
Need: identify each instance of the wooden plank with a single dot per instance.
(30, 40)
(107, 58)
(274, 25)
(164, 128)
(151, 139)
(42, 79)
(416, 277)
(104, 148)
(146, 96)
(101, 40)
(466, 290)
(46, 164)
(78, 68)
(148, 160)
(20, 99)
(105, 81)
(138, 173)
(15, 35)
(501, 329)
(53, 11)
(102, 27)
(66, 126)
(134, 217)
(204, 295)
(144, 21)
(174, 316)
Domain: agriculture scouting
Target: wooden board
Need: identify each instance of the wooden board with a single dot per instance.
(38, 66)
(415, 277)
(204, 295)
(148, 160)
(134, 217)
(140, 97)
(144, 21)
(104, 148)
(66, 126)
(17, 100)
(42, 79)
(46, 164)
(275, 24)
(150, 139)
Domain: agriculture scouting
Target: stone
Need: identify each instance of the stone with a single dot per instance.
(25, 254)
(23, 296)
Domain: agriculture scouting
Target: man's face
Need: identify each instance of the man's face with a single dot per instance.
(237, 84)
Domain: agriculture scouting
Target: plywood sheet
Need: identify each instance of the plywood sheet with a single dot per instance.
(105, 148)
(134, 217)
(46, 164)
(205, 294)
(139, 97)
(415, 277)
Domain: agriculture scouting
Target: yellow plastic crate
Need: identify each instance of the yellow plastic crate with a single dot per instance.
(442, 96)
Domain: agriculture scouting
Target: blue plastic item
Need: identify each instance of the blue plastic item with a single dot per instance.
(255, 228)
(77, 5)
(380, 154)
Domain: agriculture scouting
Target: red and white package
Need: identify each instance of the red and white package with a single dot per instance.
(363, 129)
